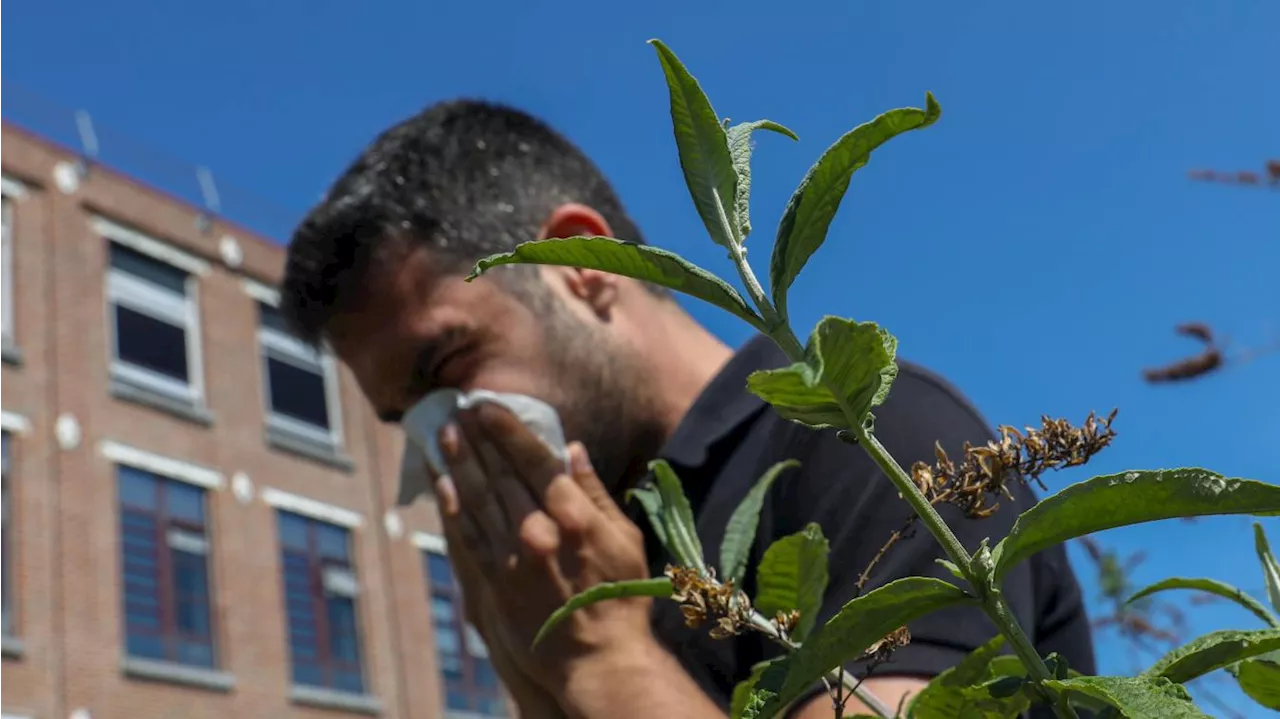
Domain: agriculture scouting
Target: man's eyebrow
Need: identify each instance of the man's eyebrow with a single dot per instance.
(391, 416)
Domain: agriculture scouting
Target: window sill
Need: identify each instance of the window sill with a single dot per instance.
(11, 353)
(308, 448)
(179, 674)
(12, 647)
(332, 699)
(130, 392)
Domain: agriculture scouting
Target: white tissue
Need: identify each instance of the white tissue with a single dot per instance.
(423, 421)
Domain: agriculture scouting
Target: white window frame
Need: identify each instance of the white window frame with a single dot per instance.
(158, 303)
(168, 467)
(279, 346)
(12, 192)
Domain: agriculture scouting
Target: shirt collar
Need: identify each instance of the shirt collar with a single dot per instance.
(724, 404)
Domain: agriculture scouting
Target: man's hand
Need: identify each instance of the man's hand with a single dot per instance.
(482, 611)
(536, 535)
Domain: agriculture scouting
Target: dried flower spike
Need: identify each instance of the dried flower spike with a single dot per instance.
(985, 470)
(701, 598)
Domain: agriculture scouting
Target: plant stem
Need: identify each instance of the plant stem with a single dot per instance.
(865, 695)
(993, 602)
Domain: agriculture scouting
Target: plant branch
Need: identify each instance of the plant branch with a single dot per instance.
(992, 601)
(836, 676)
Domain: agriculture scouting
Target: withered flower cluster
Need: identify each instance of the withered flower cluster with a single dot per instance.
(984, 471)
(880, 652)
(702, 598)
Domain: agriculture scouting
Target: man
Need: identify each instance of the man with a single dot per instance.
(377, 270)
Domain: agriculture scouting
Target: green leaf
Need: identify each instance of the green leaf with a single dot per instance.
(859, 624)
(656, 587)
(745, 701)
(704, 149)
(793, 575)
(848, 369)
(739, 137)
(1270, 568)
(740, 533)
(640, 262)
(972, 690)
(1135, 697)
(1213, 651)
(651, 501)
(809, 212)
(1119, 500)
(1260, 680)
(1212, 586)
(677, 517)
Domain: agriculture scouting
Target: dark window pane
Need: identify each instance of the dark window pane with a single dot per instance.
(151, 343)
(148, 268)
(137, 488)
(195, 653)
(185, 502)
(457, 699)
(342, 630)
(307, 674)
(439, 571)
(271, 318)
(293, 531)
(4, 534)
(331, 541)
(145, 646)
(348, 680)
(297, 393)
(443, 610)
(485, 676)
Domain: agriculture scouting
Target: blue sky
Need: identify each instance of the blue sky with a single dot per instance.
(1036, 246)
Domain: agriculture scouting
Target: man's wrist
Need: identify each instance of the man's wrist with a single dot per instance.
(597, 685)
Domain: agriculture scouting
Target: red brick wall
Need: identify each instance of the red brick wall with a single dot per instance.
(67, 575)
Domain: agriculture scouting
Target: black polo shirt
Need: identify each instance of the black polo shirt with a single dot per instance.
(730, 437)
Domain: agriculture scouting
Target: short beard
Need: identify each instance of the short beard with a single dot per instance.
(600, 397)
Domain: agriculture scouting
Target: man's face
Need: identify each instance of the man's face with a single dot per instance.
(420, 329)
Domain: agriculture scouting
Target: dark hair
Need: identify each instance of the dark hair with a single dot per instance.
(467, 178)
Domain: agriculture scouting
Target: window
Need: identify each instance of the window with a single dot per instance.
(6, 215)
(320, 589)
(7, 542)
(165, 559)
(154, 315)
(470, 682)
(300, 383)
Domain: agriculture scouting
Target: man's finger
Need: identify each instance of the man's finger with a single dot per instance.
(584, 475)
(514, 496)
(493, 541)
(534, 464)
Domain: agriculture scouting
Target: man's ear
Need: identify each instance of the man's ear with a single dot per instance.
(598, 290)
(573, 219)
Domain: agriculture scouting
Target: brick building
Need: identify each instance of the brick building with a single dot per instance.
(199, 513)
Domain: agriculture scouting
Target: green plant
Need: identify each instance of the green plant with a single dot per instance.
(837, 378)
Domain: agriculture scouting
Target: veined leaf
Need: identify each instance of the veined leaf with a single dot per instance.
(740, 533)
(1260, 679)
(1270, 568)
(793, 575)
(1119, 500)
(677, 516)
(656, 587)
(651, 501)
(1134, 697)
(739, 137)
(1212, 586)
(744, 701)
(848, 369)
(965, 690)
(704, 149)
(858, 625)
(640, 262)
(1213, 651)
(809, 212)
